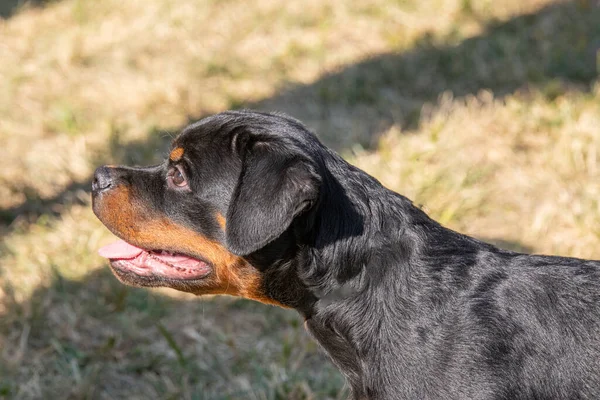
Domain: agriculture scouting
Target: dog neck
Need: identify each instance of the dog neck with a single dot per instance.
(359, 232)
(365, 271)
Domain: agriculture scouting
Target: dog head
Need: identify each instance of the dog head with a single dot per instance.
(222, 215)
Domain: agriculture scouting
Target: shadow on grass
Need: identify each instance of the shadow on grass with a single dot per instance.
(96, 338)
(554, 50)
(8, 8)
(79, 191)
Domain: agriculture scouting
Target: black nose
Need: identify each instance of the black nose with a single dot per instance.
(102, 179)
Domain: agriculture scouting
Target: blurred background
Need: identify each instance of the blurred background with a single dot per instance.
(487, 114)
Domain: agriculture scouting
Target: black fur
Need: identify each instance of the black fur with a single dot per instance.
(406, 308)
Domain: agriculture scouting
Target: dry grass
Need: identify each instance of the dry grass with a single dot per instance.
(485, 114)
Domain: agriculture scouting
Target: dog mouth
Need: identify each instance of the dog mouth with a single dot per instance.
(129, 258)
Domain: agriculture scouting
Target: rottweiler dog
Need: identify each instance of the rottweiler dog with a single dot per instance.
(252, 204)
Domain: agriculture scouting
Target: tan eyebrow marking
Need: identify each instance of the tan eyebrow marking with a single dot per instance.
(221, 221)
(176, 154)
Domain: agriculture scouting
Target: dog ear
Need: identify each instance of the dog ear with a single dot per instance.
(273, 188)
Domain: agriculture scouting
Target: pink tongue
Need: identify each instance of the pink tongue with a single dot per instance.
(120, 250)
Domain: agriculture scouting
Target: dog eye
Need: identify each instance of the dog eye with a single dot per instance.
(176, 177)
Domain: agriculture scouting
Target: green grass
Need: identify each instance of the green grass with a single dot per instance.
(140, 344)
(485, 114)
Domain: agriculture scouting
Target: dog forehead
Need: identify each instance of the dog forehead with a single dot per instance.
(216, 136)
(230, 123)
(199, 133)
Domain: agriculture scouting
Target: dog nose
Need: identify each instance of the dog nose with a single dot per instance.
(102, 179)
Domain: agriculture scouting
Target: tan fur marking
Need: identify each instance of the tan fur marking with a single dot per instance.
(130, 219)
(176, 154)
(221, 221)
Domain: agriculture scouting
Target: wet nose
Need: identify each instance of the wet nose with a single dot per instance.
(102, 179)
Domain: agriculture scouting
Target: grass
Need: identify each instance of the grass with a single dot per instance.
(485, 114)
